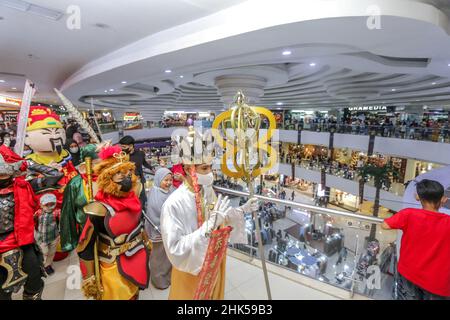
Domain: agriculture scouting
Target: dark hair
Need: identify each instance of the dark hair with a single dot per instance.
(430, 191)
(127, 140)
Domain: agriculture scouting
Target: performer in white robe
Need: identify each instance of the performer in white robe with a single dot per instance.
(186, 243)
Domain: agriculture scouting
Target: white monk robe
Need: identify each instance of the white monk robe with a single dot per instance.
(186, 246)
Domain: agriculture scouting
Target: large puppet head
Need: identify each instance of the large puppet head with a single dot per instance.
(115, 173)
(45, 133)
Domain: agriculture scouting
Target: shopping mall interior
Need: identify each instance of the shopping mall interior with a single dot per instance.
(359, 99)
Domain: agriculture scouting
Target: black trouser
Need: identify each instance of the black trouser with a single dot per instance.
(143, 196)
(31, 265)
(406, 290)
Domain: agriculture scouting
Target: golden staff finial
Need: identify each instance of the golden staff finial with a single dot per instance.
(242, 147)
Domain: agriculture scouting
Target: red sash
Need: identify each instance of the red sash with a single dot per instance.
(217, 249)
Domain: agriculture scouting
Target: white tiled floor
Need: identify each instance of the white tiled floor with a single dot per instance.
(244, 282)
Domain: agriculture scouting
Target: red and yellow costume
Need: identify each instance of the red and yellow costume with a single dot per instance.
(115, 234)
(46, 136)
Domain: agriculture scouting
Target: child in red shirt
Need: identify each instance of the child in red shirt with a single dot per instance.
(424, 265)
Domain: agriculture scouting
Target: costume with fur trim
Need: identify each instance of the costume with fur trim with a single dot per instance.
(114, 224)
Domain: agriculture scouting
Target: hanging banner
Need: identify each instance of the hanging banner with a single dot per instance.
(28, 94)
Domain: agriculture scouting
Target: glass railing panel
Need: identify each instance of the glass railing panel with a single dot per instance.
(438, 134)
(342, 249)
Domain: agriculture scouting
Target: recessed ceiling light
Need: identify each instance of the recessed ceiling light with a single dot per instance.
(286, 53)
(101, 25)
(2, 81)
(111, 90)
(106, 91)
(278, 108)
(279, 103)
(168, 71)
(124, 82)
(393, 89)
(448, 65)
(181, 77)
(14, 88)
(312, 64)
(433, 83)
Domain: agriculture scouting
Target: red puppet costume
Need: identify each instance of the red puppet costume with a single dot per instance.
(20, 261)
(46, 136)
(114, 232)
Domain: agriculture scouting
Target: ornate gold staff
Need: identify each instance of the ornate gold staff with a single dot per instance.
(90, 198)
(244, 122)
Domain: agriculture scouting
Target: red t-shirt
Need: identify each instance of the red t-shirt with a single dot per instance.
(425, 248)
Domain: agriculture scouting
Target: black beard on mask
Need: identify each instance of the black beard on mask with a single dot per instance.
(57, 145)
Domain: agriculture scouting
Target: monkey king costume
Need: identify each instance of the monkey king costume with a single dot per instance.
(114, 233)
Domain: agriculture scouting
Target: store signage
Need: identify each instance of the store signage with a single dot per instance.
(10, 101)
(368, 108)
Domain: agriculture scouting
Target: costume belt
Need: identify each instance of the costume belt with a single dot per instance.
(12, 261)
(110, 248)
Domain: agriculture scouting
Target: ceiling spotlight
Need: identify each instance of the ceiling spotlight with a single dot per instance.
(168, 71)
(393, 89)
(181, 77)
(433, 83)
(106, 91)
(123, 82)
(14, 88)
(101, 25)
(279, 103)
(111, 90)
(2, 81)
(312, 64)
(286, 53)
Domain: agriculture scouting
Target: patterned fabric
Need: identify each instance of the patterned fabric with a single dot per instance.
(47, 226)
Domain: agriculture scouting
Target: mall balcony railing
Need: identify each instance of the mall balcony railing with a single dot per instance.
(438, 134)
(321, 247)
(349, 174)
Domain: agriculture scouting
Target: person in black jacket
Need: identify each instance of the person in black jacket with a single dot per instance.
(138, 158)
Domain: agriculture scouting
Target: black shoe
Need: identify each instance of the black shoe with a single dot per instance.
(49, 270)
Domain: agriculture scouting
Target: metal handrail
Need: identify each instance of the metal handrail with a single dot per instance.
(303, 206)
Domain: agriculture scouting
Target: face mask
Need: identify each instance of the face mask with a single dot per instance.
(74, 150)
(125, 184)
(205, 179)
(5, 182)
(49, 209)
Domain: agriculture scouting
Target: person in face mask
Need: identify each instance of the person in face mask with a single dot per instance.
(74, 150)
(47, 229)
(160, 265)
(188, 218)
(26, 151)
(138, 158)
(114, 228)
(5, 138)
